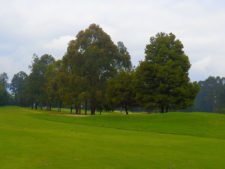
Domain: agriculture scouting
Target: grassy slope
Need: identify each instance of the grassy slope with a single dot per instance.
(40, 140)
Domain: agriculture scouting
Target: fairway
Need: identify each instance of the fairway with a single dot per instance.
(48, 140)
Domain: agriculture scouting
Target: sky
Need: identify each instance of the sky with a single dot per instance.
(46, 26)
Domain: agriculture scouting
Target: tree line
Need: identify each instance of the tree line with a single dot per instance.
(95, 74)
(211, 97)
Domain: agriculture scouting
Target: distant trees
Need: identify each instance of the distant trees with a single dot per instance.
(211, 97)
(95, 74)
(162, 78)
(4, 94)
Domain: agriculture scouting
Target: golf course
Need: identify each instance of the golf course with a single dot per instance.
(34, 139)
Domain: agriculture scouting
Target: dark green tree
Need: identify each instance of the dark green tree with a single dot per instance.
(37, 80)
(124, 62)
(162, 80)
(121, 91)
(4, 94)
(54, 87)
(18, 88)
(94, 58)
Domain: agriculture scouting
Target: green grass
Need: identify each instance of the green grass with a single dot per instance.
(47, 140)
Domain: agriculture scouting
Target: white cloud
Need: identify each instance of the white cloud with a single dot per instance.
(46, 26)
(202, 65)
(57, 45)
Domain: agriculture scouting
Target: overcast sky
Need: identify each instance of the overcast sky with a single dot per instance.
(46, 26)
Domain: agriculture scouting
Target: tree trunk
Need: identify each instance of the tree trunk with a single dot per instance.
(92, 110)
(71, 109)
(167, 109)
(35, 106)
(126, 109)
(85, 107)
(41, 106)
(162, 109)
(59, 109)
(77, 110)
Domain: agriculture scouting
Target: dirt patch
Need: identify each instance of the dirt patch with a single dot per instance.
(76, 115)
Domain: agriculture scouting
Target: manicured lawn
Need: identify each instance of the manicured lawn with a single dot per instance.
(47, 140)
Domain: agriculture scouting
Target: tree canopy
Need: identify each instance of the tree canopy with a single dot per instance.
(96, 74)
(4, 94)
(162, 80)
(91, 59)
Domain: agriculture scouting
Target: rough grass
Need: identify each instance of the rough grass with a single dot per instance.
(43, 140)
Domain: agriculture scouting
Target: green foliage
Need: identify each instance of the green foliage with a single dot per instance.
(90, 61)
(124, 61)
(121, 91)
(162, 80)
(37, 79)
(18, 88)
(54, 86)
(4, 95)
(211, 95)
(98, 75)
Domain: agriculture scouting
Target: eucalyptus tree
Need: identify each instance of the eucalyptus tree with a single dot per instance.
(18, 88)
(91, 59)
(37, 79)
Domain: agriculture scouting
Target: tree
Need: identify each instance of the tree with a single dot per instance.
(37, 79)
(211, 95)
(120, 90)
(124, 62)
(4, 95)
(162, 80)
(54, 86)
(18, 88)
(94, 58)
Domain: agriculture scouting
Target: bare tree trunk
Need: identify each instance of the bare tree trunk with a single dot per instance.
(92, 110)
(79, 109)
(162, 109)
(71, 109)
(41, 106)
(85, 107)
(76, 109)
(59, 108)
(126, 109)
(167, 109)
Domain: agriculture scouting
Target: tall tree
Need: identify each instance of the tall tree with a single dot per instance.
(54, 86)
(124, 62)
(37, 79)
(162, 78)
(94, 58)
(4, 95)
(18, 88)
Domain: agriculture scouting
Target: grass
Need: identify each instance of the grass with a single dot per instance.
(47, 140)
